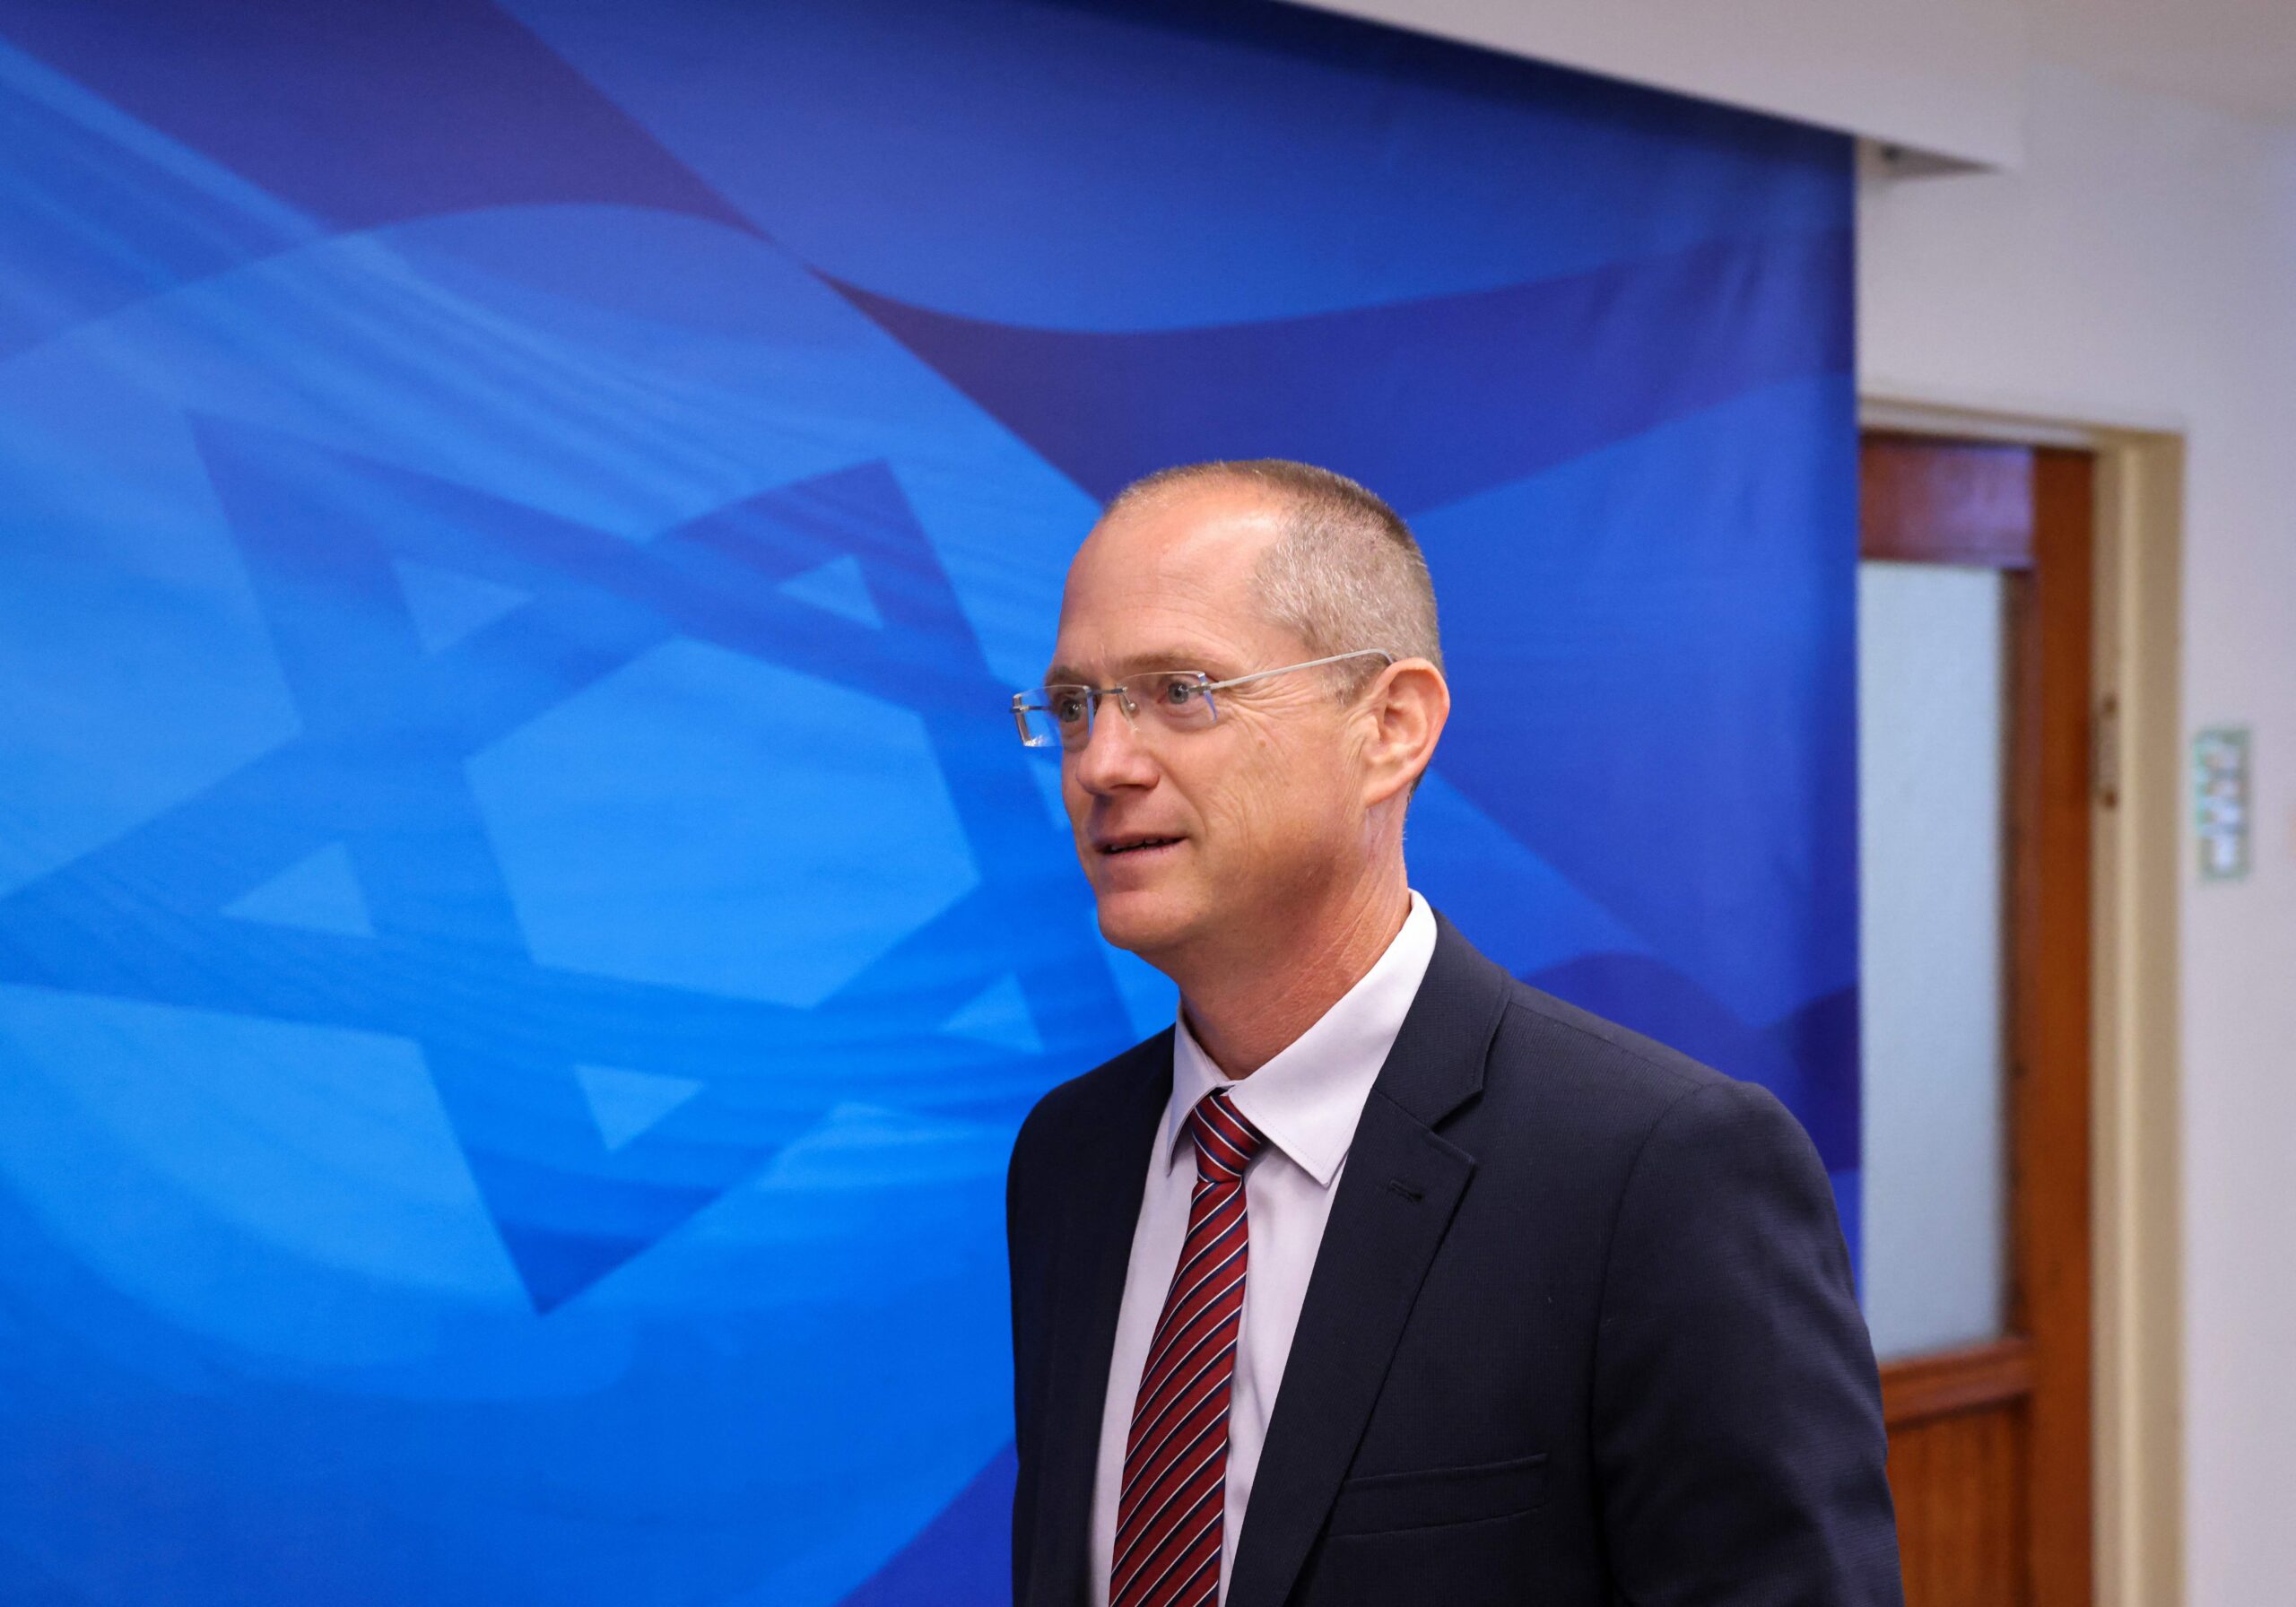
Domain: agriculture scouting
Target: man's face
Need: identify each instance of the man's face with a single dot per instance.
(1257, 813)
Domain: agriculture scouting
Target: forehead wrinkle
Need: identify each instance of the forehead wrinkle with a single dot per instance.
(1132, 663)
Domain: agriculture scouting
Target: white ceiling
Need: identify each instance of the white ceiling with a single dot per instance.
(2237, 55)
(1945, 78)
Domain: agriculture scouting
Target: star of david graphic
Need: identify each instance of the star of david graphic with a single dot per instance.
(596, 1113)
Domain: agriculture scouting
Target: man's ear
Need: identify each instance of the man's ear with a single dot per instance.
(1406, 707)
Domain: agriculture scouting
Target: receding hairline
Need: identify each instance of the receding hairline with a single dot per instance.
(1224, 495)
(1276, 482)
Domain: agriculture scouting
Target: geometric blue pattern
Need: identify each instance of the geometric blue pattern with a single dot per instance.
(319, 893)
(444, 606)
(625, 1103)
(524, 934)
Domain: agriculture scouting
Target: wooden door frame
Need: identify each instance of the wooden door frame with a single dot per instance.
(2028, 514)
(2136, 841)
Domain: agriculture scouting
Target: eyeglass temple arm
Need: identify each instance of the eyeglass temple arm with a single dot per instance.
(1217, 686)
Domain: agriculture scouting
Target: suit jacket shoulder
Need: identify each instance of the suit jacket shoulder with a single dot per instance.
(1637, 1074)
(1079, 1099)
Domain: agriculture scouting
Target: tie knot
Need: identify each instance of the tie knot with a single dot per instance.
(1225, 1142)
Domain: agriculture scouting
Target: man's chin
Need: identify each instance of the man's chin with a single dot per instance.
(1143, 923)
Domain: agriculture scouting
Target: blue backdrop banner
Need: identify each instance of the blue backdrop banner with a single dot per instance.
(525, 932)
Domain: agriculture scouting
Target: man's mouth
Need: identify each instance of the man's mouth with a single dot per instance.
(1133, 844)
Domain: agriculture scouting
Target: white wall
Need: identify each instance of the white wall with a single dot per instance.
(2137, 264)
(2141, 265)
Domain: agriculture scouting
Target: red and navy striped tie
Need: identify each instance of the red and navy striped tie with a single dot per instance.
(1167, 1518)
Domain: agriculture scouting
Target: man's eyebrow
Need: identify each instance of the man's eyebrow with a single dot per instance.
(1063, 674)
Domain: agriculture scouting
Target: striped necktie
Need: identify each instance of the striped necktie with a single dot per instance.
(1168, 1521)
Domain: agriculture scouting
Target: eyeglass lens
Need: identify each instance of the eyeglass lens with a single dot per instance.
(1169, 700)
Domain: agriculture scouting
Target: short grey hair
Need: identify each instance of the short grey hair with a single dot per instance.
(1346, 574)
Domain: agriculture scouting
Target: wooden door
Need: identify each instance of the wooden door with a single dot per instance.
(1990, 1445)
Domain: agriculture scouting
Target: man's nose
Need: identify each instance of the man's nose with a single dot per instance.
(1112, 756)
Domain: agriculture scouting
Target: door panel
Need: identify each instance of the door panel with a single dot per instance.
(1961, 1483)
(1932, 723)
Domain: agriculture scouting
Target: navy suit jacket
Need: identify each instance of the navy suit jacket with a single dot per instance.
(1581, 1331)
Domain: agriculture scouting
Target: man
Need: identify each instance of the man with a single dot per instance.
(1381, 1277)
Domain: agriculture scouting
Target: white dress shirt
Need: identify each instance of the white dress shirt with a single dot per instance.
(1306, 1101)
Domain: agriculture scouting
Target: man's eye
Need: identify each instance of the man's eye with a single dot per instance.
(1067, 708)
(1178, 691)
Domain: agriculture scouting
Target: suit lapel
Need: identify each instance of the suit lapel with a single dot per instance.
(1111, 1170)
(1396, 1196)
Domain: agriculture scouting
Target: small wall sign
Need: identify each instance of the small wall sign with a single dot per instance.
(2220, 771)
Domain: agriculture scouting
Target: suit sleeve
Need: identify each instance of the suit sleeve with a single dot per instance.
(1738, 1420)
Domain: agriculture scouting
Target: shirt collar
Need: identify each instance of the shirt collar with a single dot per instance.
(1307, 1099)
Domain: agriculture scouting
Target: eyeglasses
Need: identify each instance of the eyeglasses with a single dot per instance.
(1172, 700)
